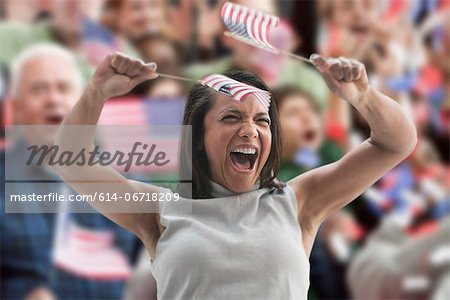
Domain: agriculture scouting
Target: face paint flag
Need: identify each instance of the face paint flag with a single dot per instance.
(249, 25)
(234, 88)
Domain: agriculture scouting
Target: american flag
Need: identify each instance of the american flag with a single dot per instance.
(149, 121)
(235, 89)
(249, 25)
(88, 253)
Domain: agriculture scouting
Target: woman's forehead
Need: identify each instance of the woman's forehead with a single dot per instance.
(249, 104)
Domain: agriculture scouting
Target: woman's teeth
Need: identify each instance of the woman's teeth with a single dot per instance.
(245, 150)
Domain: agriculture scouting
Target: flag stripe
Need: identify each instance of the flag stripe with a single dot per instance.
(235, 89)
(248, 24)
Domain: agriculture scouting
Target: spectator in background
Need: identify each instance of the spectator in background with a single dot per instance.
(208, 31)
(393, 57)
(273, 69)
(134, 18)
(306, 146)
(64, 28)
(44, 9)
(413, 197)
(419, 186)
(432, 90)
(166, 88)
(353, 29)
(158, 48)
(161, 50)
(71, 26)
(437, 28)
(393, 265)
(35, 263)
(160, 89)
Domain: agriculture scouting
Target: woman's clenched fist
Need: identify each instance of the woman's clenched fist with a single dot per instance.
(346, 78)
(117, 74)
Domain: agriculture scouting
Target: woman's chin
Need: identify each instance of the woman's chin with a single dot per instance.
(240, 181)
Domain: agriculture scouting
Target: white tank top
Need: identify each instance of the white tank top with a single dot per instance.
(233, 246)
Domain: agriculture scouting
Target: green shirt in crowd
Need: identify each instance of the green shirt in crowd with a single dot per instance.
(328, 153)
(15, 37)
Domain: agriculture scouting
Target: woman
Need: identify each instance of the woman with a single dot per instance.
(248, 235)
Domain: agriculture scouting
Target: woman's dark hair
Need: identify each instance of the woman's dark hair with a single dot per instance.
(193, 159)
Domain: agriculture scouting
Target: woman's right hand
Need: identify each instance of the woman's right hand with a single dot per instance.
(118, 74)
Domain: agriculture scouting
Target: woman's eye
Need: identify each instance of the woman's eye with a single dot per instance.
(264, 120)
(229, 118)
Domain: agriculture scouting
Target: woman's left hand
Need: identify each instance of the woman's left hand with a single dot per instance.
(346, 78)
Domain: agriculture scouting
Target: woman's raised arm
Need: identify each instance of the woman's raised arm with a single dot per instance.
(323, 191)
(115, 76)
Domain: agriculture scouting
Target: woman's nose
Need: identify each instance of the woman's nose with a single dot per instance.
(248, 130)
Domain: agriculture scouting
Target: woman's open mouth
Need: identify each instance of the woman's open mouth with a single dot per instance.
(243, 159)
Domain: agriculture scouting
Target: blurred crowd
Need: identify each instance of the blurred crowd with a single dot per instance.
(393, 242)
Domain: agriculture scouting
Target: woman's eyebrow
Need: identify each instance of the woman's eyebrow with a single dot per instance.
(231, 110)
(238, 112)
(262, 114)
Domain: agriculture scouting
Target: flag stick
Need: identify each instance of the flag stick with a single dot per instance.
(274, 50)
(176, 77)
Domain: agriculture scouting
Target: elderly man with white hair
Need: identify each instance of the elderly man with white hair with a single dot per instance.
(35, 263)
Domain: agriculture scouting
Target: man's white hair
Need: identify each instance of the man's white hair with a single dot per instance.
(35, 52)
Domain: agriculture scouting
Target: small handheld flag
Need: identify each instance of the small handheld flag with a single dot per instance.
(234, 88)
(228, 86)
(252, 27)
